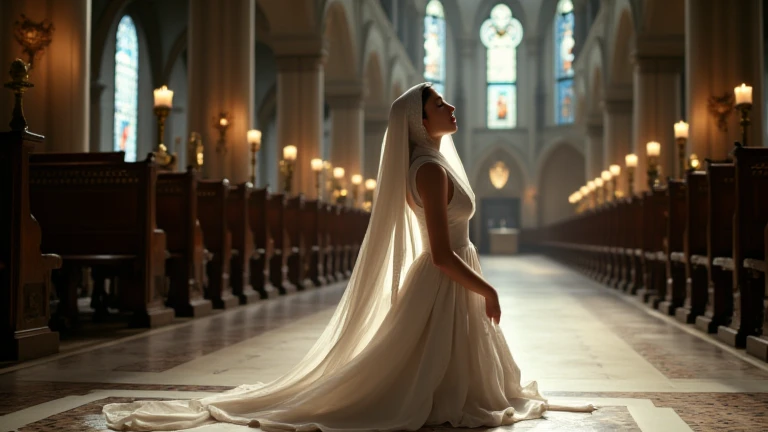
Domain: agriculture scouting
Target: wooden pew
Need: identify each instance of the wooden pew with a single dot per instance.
(654, 260)
(242, 243)
(312, 233)
(327, 230)
(695, 248)
(615, 251)
(78, 158)
(278, 263)
(749, 222)
(177, 216)
(297, 265)
(676, 259)
(102, 215)
(257, 215)
(25, 273)
(212, 202)
(633, 279)
(720, 186)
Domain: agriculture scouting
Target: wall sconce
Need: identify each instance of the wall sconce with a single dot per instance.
(254, 141)
(286, 166)
(357, 180)
(653, 150)
(743, 95)
(33, 37)
(222, 123)
(370, 186)
(499, 174)
(720, 108)
(163, 104)
(681, 138)
(317, 168)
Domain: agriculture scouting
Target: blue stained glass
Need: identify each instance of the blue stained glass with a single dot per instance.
(434, 44)
(564, 58)
(501, 33)
(565, 101)
(126, 88)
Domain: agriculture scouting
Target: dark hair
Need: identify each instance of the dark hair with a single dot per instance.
(425, 94)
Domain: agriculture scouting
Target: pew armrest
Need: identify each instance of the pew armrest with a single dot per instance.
(755, 264)
(678, 257)
(51, 262)
(207, 255)
(699, 260)
(639, 253)
(723, 262)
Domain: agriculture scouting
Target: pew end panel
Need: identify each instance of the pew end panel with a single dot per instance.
(212, 196)
(242, 243)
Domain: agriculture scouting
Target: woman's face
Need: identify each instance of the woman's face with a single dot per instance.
(440, 119)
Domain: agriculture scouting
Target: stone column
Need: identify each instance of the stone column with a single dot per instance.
(580, 13)
(617, 118)
(58, 106)
(221, 67)
(300, 115)
(347, 116)
(376, 122)
(657, 101)
(718, 58)
(594, 148)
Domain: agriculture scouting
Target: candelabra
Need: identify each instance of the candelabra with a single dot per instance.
(317, 168)
(19, 84)
(357, 180)
(163, 104)
(743, 95)
(222, 123)
(615, 171)
(287, 166)
(338, 189)
(370, 185)
(592, 195)
(254, 140)
(606, 177)
(653, 150)
(681, 138)
(599, 188)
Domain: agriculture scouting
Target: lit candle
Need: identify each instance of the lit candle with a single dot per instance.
(653, 149)
(681, 129)
(317, 164)
(615, 170)
(289, 152)
(584, 190)
(338, 172)
(370, 184)
(591, 185)
(163, 97)
(254, 136)
(577, 196)
(357, 179)
(743, 94)
(572, 198)
(606, 175)
(224, 122)
(630, 160)
(598, 182)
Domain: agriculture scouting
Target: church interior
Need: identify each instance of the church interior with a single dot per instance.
(185, 186)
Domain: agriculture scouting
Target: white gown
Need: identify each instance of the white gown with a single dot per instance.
(435, 359)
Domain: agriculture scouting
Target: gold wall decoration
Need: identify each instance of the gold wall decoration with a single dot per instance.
(34, 37)
(720, 107)
(499, 174)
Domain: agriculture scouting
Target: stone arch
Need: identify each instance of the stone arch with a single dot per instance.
(398, 80)
(562, 170)
(341, 63)
(375, 94)
(620, 65)
(596, 87)
(517, 170)
(484, 11)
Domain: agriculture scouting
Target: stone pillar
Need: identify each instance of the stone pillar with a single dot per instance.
(347, 117)
(718, 58)
(300, 115)
(376, 122)
(58, 106)
(468, 116)
(657, 94)
(594, 148)
(221, 69)
(617, 118)
(580, 14)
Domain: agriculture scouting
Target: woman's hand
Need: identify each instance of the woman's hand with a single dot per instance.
(492, 307)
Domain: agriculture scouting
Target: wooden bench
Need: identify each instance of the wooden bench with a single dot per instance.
(312, 233)
(78, 158)
(278, 263)
(676, 259)
(177, 216)
(25, 273)
(298, 269)
(212, 203)
(720, 186)
(264, 246)
(695, 248)
(102, 215)
(242, 243)
(654, 257)
(327, 229)
(633, 250)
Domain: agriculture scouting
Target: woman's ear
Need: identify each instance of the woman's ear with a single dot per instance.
(425, 122)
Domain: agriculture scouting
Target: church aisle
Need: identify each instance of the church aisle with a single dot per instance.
(583, 342)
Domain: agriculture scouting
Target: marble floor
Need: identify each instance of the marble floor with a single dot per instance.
(581, 341)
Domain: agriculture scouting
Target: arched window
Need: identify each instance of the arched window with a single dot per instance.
(501, 34)
(564, 42)
(434, 45)
(126, 88)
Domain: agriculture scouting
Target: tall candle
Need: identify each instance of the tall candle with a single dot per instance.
(163, 97)
(681, 129)
(630, 160)
(370, 184)
(289, 152)
(653, 149)
(606, 175)
(254, 136)
(615, 170)
(338, 172)
(357, 179)
(598, 182)
(743, 94)
(317, 164)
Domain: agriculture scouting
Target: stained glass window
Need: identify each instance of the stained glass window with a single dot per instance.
(501, 33)
(564, 57)
(126, 88)
(434, 45)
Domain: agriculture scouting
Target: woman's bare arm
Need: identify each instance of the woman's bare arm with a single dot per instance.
(432, 184)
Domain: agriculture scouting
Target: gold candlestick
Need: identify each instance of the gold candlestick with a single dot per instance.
(287, 166)
(744, 109)
(254, 140)
(317, 167)
(195, 151)
(19, 84)
(164, 159)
